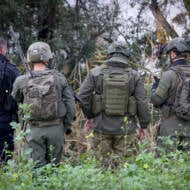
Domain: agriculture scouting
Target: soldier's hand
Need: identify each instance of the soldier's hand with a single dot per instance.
(156, 79)
(88, 125)
(155, 84)
(142, 134)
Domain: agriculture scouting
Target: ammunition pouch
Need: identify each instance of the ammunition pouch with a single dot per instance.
(96, 104)
(132, 106)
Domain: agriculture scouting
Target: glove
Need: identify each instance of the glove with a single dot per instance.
(155, 84)
(68, 131)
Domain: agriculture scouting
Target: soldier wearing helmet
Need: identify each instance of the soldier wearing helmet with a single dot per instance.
(165, 96)
(51, 103)
(112, 97)
(39, 52)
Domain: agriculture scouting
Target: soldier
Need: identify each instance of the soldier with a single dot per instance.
(8, 107)
(113, 96)
(165, 97)
(52, 105)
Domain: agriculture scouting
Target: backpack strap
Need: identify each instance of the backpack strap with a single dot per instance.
(182, 72)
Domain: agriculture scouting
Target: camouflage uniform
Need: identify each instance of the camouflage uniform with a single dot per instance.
(163, 97)
(171, 126)
(46, 138)
(43, 134)
(112, 135)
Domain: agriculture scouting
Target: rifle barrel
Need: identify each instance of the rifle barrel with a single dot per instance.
(19, 49)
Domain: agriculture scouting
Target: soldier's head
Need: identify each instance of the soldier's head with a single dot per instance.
(177, 48)
(39, 52)
(118, 54)
(3, 46)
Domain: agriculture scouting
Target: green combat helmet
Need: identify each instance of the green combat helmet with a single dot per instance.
(39, 52)
(178, 44)
(118, 54)
(118, 49)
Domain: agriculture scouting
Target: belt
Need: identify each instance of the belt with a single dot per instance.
(45, 123)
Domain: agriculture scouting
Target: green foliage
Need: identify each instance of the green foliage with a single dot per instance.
(21, 132)
(74, 28)
(144, 172)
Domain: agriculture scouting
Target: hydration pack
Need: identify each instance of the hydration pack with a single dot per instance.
(43, 95)
(182, 97)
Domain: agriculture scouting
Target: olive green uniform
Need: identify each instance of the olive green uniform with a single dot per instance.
(47, 138)
(112, 135)
(171, 126)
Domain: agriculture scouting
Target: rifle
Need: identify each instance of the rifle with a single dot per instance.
(15, 38)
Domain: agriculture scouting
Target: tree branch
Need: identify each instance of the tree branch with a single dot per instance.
(161, 19)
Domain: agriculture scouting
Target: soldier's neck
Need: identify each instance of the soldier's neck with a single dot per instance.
(39, 67)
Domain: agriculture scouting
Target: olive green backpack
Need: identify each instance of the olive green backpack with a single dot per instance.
(182, 97)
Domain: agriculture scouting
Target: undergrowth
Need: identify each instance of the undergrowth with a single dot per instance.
(82, 171)
(143, 173)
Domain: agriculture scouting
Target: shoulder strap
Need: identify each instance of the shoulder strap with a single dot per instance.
(182, 70)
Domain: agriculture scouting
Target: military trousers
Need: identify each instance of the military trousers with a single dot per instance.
(173, 134)
(46, 144)
(111, 148)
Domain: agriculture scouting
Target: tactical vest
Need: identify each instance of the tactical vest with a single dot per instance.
(43, 95)
(182, 98)
(115, 95)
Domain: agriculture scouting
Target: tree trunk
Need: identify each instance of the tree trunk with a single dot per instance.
(187, 5)
(49, 20)
(161, 19)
